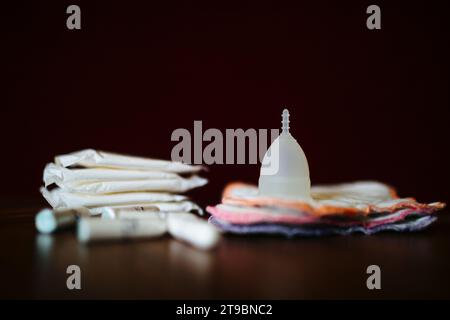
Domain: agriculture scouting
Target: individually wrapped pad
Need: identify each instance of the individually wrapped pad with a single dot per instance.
(92, 158)
(175, 206)
(59, 198)
(59, 175)
(409, 225)
(357, 198)
(163, 185)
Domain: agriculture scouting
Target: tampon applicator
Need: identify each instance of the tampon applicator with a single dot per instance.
(51, 220)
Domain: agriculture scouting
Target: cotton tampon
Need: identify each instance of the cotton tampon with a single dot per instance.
(183, 226)
(195, 231)
(48, 220)
(95, 229)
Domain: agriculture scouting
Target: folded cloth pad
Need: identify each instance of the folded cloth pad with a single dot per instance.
(317, 231)
(367, 207)
(98, 179)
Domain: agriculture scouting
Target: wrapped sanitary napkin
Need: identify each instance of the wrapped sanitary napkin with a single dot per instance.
(97, 179)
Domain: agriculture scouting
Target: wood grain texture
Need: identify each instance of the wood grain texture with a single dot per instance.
(34, 265)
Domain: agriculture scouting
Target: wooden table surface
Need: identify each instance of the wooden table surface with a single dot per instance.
(414, 265)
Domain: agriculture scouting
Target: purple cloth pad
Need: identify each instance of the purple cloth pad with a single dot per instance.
(410, 224)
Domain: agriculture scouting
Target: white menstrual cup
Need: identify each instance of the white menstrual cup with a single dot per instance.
(284, 170)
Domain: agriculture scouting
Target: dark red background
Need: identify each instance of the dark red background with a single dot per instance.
(364, 104)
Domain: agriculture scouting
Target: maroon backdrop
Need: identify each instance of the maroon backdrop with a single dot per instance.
(364, 104)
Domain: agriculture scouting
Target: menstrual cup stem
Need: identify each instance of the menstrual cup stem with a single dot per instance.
(285, 121)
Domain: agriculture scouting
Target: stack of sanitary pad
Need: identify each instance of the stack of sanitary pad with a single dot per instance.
(361, 207)
(97, 179)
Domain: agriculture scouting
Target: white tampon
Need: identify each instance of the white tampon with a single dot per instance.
(48, 220)
(128, 213)
(183, 226)
(195, 231)
(95, 229)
